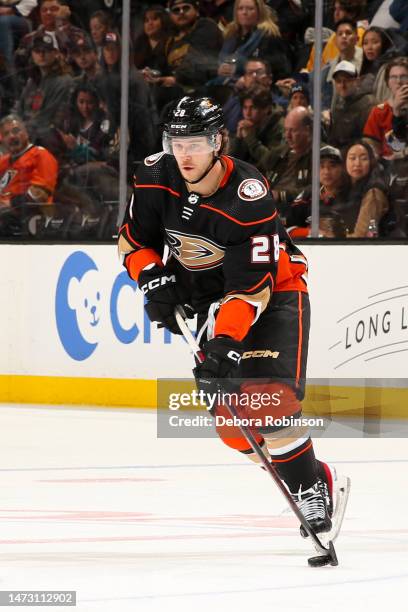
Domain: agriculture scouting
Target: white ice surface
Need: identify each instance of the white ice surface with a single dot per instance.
(92, 501)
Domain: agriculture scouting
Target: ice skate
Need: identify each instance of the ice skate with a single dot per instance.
(313, 505)
(335, 490)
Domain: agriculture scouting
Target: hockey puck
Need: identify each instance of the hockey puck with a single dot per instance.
(319, 561)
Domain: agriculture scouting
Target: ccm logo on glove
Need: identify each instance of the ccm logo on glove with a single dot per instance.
(234, 356)
(160, 281)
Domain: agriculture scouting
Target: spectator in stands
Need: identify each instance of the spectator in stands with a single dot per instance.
(87, 135)
(192, 51)
(221, 11)
(346, 42)
(253, 33)
(55, 22)
(398, 10)
(292, 22)
(142, 112)
(299, 96)
(398, 188)
(379, 48)
(260, 131)
(256, 72)
(28, 175)
(332, 188)
(366, 198)
(86, 59)
(290, 172)
(150, 55)
(13, 25)
(351, 109)
(379, 122)
(100, 24)
(87, 130)
(343, 9)
(47, 91)
(150, 45)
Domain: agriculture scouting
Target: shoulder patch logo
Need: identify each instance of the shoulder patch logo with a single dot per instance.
(252, 189)
(153, 159)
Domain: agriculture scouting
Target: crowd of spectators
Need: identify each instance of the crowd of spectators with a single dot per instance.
(60, 106)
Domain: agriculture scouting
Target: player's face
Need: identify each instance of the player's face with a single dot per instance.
(331, 173)
(14, 136)
(193, 156)
(357, 163)
(372, 45)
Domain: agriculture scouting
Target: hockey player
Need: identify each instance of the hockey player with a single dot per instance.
(234, 265)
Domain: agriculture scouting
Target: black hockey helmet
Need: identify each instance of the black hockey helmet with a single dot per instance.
(194, 117)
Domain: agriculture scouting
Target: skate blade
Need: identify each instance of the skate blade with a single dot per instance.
(342, 491)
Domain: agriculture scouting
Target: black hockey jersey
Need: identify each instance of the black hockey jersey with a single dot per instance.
(227, 245)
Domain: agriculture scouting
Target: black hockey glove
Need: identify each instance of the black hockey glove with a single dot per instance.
(222, 356)
(163, 294)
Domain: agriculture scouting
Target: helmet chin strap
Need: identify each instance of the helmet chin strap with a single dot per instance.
(210, 167)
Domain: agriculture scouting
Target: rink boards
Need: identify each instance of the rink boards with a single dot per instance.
(73, 329)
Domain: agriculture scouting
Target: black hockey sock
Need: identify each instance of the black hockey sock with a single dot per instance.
(298, 466)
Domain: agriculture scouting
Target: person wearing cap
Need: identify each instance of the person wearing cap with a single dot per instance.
(332, 185)
(55, 22)
(351, 108)
(260, 131)
(192, 52)
(85, 57)
(298, 96)
(346, 42)
(46, 92)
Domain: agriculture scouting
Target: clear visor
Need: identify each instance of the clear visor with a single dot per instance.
(190, 145)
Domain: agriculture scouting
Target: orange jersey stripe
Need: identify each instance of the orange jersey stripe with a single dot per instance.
(125, 228)
(300, 340)
(157, 187)
(244, 223)
(230, 166)
(251, 289)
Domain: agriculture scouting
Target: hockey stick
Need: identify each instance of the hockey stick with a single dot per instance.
(328, 555)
